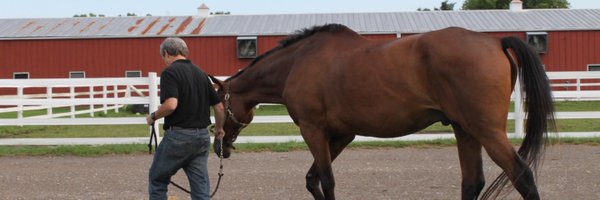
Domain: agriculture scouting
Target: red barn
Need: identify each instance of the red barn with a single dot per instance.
(567, 39)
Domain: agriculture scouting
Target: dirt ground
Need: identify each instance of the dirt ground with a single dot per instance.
(569, 172)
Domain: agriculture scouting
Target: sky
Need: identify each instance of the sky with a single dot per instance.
(110, 8)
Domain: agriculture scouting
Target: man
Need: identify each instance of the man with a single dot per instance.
(186, 95)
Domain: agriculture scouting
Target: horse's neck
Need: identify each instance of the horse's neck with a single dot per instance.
(263, 87)
(265, 81)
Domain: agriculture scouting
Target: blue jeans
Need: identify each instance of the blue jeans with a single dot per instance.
(181, 148)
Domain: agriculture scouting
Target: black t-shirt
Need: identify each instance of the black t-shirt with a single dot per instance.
(194, 92)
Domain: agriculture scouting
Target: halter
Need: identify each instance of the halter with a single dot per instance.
(231, 115)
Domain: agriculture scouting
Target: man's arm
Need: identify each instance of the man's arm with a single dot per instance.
(164, 110)
(219, 111)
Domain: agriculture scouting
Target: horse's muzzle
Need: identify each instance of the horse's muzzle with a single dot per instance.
(218, 148)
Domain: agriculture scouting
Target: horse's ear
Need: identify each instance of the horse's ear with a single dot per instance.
(216, 82)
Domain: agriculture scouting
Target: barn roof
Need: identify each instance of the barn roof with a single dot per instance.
(284, 24)
(80, 27)
(410, 22)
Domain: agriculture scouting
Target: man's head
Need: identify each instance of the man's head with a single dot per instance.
(173, 49)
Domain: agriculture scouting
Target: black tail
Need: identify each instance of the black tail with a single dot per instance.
(538, 103)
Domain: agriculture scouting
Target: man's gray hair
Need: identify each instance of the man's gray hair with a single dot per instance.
(174, 46)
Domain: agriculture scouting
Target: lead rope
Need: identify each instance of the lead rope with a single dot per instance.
(152, 136)
(212, 130)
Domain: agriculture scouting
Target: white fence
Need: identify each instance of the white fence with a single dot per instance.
(115, 92)
(567, 86)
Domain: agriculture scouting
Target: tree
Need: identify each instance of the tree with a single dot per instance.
(220, 13)
(445, 6)
(546, 4)
(504, 4)
(90, 15)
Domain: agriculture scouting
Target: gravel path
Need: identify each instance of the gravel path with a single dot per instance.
(569, 172)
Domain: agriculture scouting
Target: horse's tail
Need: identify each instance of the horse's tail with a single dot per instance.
(538, 103)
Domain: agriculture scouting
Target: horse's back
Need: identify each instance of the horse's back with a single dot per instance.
(351, 81)
(394, 87)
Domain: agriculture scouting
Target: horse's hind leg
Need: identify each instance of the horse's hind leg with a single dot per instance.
(500, 149)
(336, 146)
(312, 182)
(469, 154)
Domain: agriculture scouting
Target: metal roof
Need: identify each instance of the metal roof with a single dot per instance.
(284, 24)
(77, 27)
(410, 22)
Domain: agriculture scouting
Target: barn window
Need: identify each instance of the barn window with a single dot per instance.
(594, 67)
(133, 73)
(77, 74)
(21, 75)
(247, 47)
(538, 40)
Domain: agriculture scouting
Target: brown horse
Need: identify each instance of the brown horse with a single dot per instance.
(337, 84)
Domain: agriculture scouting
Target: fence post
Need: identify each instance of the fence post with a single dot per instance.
(116, 96)
(578, 89)
(104, 97)
(127, 91)
(49, 97)
(91, 92)
(72, 95)
(154, 99)
(20, 104)
(519, 115)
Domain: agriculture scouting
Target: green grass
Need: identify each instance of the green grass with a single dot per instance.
(563, 125)
(88, 131)
(79, 150)
(560, 106)
(124, 112)
(577, 106)
(272, 110)
(100, 150)
(275, 129)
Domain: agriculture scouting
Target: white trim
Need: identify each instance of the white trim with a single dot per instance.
(247, 38)
(72, 72)
(537, 33)
(28, 74)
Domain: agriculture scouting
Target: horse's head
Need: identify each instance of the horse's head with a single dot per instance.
(238, 114)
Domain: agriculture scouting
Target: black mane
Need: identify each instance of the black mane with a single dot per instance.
(292, 39)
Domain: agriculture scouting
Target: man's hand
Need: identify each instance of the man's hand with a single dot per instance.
(219, 132)
(149, 119)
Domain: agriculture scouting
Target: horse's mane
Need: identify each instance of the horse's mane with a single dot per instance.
(292, 39)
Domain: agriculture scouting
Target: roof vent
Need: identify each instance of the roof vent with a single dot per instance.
(516, 5)
(203, 10)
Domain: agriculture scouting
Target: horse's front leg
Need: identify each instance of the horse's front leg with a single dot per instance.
(318, 143)
(336, 145)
